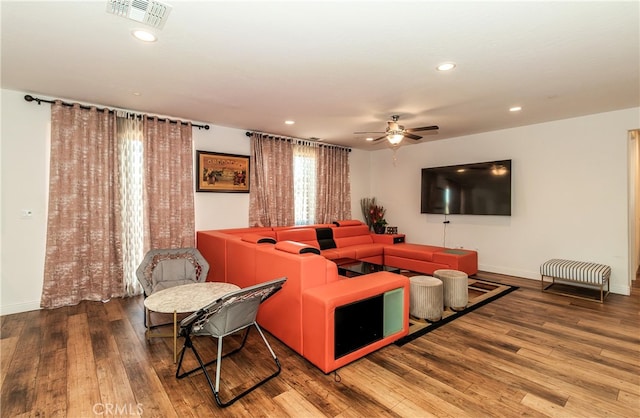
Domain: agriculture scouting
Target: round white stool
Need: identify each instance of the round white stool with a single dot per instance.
(425, 297)
(455, 288)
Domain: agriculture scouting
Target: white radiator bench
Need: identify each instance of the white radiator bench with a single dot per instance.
(578, 272)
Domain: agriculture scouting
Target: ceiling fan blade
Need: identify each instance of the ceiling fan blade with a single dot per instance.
(377, 132)
(424, 128)
(412, 136)
(378, 139)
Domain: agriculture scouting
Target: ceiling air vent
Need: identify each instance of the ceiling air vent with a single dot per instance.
(152, 13)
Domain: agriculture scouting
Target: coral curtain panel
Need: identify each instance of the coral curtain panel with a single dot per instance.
(83, 258)
(271, 201)
(333, 196)
(169, 216)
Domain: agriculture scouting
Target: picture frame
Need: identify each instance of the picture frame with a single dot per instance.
(220, 172)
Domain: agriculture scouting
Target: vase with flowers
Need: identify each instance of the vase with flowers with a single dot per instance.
(373, 214)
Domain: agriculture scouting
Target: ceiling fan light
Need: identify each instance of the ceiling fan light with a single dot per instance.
(395, 139)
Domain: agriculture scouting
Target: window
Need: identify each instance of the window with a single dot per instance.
(304, 184)
(131, 199)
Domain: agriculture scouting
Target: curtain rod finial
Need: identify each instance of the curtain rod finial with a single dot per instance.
(30, 98)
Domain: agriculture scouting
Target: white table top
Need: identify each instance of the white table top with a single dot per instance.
(188, 297)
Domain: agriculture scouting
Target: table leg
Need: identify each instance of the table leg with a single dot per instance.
(147, 315)
(175, 337)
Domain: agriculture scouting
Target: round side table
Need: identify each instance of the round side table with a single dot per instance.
(183, 299)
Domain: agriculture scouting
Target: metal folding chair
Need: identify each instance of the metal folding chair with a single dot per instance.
(233, 312)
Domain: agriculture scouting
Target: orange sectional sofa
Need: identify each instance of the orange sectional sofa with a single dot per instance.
(316, 312)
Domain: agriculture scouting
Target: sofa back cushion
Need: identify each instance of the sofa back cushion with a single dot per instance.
(258, 239)
(345, 236)
(348, 222)
(302, 235)
(295, 247)
(325, 238)
(265, 231)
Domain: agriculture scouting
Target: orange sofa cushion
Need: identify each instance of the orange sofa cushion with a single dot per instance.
(258, 239)
(348, 222)
(345, 236)
(413, 251)
(266, 231)
(294, 247)
(303, 235)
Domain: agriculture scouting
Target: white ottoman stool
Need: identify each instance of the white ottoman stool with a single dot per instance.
(455, 286)
(425, 297)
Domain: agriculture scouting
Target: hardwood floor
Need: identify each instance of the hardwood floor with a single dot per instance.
(526, 354)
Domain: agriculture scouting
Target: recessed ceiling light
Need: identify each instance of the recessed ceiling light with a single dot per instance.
(143, 35)
(369, 139)
(289, 122)
(515, 109)
(446, 66)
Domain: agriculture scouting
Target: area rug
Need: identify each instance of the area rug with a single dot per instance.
(481, 292)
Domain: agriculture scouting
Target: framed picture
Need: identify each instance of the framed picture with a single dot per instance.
(218, 172)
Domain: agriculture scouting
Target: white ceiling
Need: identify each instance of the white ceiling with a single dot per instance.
(334, 67)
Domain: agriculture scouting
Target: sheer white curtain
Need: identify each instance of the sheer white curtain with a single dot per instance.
(304, 185)
(130, 147)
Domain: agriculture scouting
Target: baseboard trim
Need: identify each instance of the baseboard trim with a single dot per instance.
(19, 308)
(525, 274)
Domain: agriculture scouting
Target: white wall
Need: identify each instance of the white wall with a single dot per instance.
(25, 170)
(569, 182)
(569, 194)
(359, 166)
(221, 210)
(634, 200)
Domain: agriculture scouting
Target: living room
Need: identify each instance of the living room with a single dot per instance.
(575, 158)
(579, 365)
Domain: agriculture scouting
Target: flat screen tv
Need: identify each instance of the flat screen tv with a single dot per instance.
(467, 189)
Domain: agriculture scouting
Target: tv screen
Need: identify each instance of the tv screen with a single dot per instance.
(467, 189)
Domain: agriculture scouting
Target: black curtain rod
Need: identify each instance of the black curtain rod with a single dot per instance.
(248, 133)
(30, 98)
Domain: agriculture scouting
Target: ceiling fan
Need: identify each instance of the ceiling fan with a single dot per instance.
(395, 133)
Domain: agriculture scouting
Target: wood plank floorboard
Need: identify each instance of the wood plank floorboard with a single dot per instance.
(529, 353)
